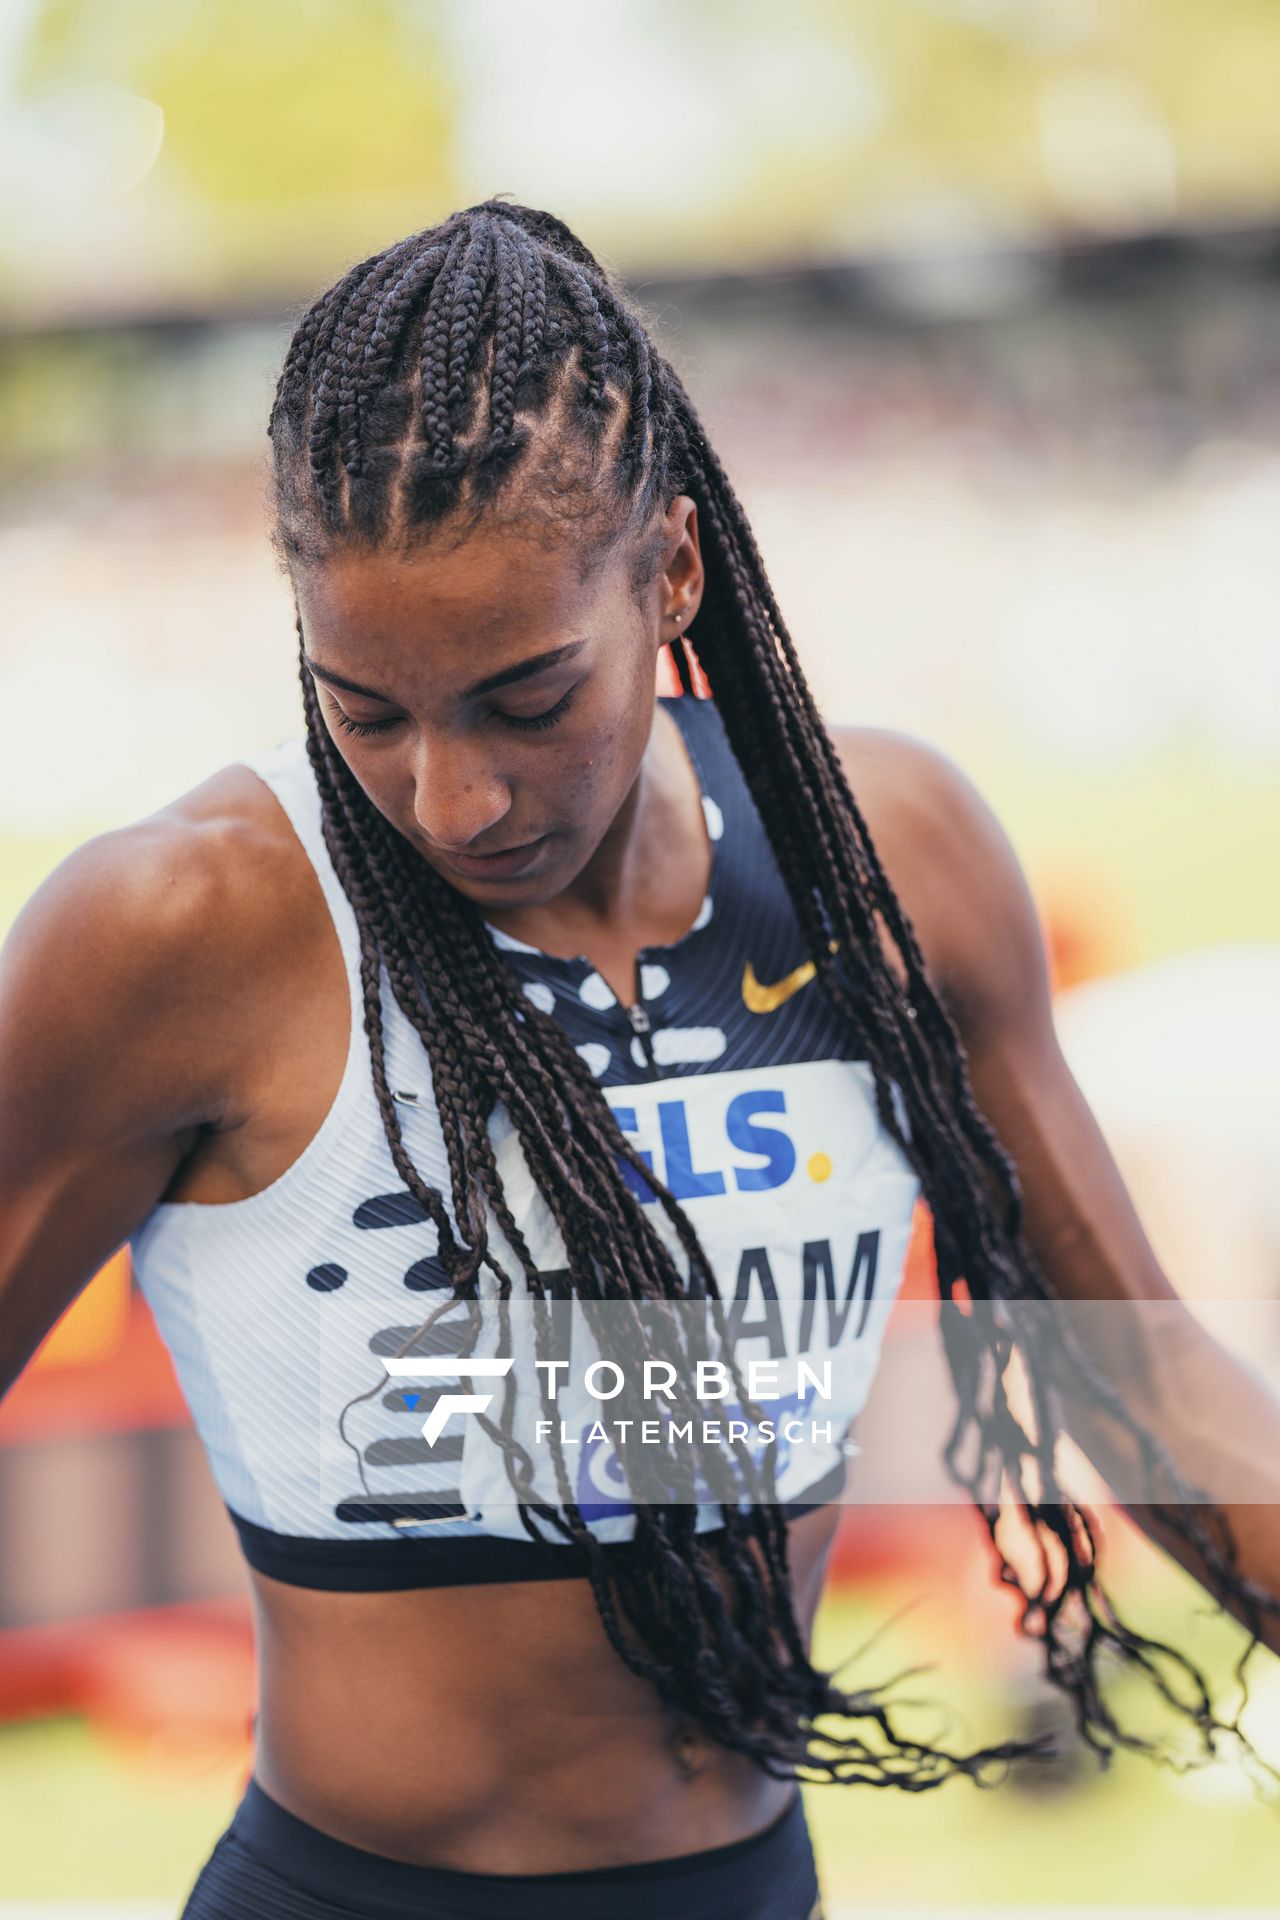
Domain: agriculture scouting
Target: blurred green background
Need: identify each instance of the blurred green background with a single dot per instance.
(980, 300)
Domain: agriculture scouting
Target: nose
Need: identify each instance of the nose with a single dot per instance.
(458, 795)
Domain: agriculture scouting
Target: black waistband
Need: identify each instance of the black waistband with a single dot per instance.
(374, 1566)
(769, 1873)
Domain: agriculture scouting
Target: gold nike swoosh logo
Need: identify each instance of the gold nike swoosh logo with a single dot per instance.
(759, 997)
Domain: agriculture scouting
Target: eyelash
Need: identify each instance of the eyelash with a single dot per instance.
(532, 723)
(362, 728)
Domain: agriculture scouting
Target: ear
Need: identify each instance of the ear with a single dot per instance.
(683, 575)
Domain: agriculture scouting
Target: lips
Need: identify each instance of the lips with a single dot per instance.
(499, 853)
(497, 866)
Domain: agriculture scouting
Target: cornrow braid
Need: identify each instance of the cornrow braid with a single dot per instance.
(509, 255)
(457, 369)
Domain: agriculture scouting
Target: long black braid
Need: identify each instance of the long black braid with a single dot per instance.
(491, 356)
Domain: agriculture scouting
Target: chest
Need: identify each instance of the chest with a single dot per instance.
(742, 1096)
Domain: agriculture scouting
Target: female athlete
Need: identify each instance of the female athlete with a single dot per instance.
(510, 975)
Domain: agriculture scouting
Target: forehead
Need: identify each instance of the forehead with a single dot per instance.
(494, 592)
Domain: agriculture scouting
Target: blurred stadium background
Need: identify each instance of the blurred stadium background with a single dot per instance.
(981, 302)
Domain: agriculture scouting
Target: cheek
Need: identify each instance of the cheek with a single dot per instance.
(596, 777)
(384, 778)
(592, 784)
(612, 759)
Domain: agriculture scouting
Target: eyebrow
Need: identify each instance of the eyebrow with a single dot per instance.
(524, 670)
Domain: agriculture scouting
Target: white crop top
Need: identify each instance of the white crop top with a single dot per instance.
(736, 1081)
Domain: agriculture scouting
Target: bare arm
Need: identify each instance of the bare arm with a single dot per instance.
(963, 888)
(112, 1058)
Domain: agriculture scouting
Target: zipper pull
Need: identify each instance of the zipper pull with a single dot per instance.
(642, 1028)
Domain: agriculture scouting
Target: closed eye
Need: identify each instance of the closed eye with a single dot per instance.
(530, 723)
(518, 723)
(362, 728)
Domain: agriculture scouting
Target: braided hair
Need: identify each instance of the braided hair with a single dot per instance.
(492, 361)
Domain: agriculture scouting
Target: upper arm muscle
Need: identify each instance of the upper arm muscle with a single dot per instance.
(961, 883)
(107, 1069)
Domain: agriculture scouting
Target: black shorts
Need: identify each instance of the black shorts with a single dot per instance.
(269, 1865)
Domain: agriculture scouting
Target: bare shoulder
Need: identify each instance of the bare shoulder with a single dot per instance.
(953, 866)
(221, 862)
(912, 794)
(197, 878)
(135, 988)
(138, 942)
